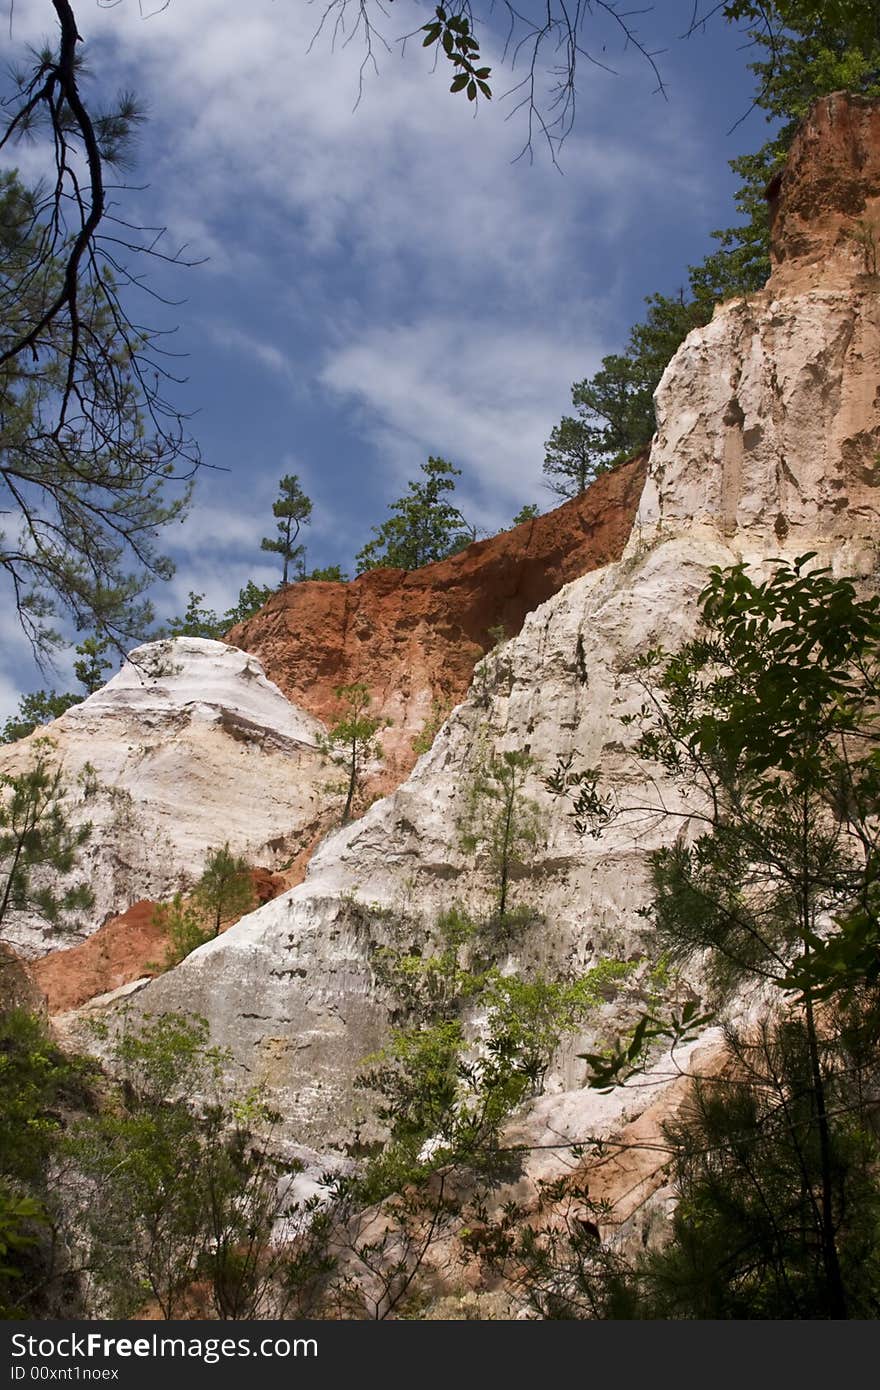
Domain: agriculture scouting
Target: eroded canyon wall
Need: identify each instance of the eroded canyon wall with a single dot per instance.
(767, 443)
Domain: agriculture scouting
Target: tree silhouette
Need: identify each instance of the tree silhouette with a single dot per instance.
(293, 509)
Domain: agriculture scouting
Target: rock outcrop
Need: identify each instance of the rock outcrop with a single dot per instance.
(191, 745)
(413, 638)
(825, 204)
(125, 949)
(187, 748)
(768, 431)
(767, 445)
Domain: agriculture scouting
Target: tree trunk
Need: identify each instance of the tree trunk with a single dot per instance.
(352, 783)
(505, 847)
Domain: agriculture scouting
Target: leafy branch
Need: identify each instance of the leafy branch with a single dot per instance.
(455, 39)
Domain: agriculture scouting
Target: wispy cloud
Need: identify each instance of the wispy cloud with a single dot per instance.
(216, 530)
(250, 346)
(469, 393)
(209, 575)
(437, 290)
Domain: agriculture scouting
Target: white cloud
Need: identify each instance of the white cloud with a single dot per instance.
(474, 394)
(451, 285)
(217, 530)
(9, 697)
(211, 577)
(259, 137)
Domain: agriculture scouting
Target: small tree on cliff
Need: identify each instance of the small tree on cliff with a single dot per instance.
(183, 926)
(38, 1084)
(351, 742)
(38, 707)
(198, 621)
(250, 600)
(225, 888)
(424, 525)
(44, 706)
(184, 1198)
(293, 509)
(570, 462)
(328, 574)
(501, 820)
(89, 669)
(195, 622)
(36, 837)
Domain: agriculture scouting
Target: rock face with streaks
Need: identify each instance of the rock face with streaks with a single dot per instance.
(767, 445)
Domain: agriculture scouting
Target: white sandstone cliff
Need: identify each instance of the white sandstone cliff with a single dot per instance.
(187, 747)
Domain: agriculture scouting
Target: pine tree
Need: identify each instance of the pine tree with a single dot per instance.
(36, 838)
(501, 820)
(90, 490)
(195, 622)
(90, 668)
(530, 512)
(351, 742)
(327, 574)
(36, 708)
(425, 525)
(250, 600)
(769, 721)
(293, 510)
(571, 460)
(615, 408)
(225, 888)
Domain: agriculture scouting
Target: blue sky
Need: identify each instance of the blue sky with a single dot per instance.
(388, 282)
